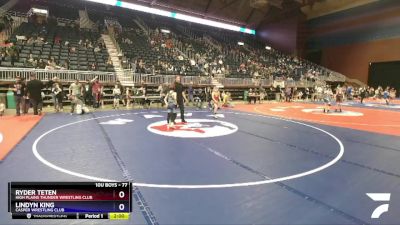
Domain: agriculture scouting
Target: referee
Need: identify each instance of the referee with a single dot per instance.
(180, 95)
(34, 90)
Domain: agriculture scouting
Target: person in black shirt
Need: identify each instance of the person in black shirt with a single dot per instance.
(25, 102)
(87, 93)
(180, 96)
(41, 64)
(143, 92)
(122, 95)
(363, 94)
(19, 92)
(50, 85)
(200, 98)
(34, 90)
(208, 97)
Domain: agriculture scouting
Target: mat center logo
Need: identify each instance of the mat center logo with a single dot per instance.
(1, 137)
(195, 128)
(319, 111)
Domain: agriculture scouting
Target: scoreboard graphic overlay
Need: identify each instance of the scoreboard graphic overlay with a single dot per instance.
(69, 200)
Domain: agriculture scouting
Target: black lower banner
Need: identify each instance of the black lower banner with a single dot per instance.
(60, 216)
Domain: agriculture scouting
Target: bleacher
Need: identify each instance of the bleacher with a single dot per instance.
(210, 49)
(2, 2)
(253, 56)
(49, 41)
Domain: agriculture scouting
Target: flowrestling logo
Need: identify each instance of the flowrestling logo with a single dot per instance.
(379, 197)
(1, 137)
(194, 128)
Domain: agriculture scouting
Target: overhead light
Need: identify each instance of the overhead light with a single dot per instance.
(40, 11)
(268, 47)
(240, 43)
(175, 15)
(165, 31)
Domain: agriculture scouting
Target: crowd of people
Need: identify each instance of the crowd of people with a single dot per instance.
(388, 93)
(29, 93)
(218, 58)
(169, 59)
(11, 51)
(327, 94)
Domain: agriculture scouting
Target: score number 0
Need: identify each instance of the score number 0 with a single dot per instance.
(121, 195)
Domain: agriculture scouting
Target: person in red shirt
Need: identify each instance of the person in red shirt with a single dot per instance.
(97, 89)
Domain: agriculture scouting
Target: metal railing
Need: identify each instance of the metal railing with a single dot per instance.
(356, 81)
(16, 14)
(266, 82)
(236, 81)
(169, 79)
(333, 76)
(302, 83)
(9, 74)
(65, 21)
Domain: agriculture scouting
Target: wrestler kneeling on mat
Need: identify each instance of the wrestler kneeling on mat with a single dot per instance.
(77, 105)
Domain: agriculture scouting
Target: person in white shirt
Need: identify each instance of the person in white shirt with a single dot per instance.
(339, 98)
(2, 108)
(117, 96)
(319, 94)
(327, 98)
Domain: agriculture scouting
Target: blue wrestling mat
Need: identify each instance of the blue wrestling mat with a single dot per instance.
(238, 168)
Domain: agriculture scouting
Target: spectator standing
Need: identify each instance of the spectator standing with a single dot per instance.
(288, 94)
(50, 85)
(97, 89)
(386, 96)
(12, 52)
(122, 89)
(128, 97)
(58, 95)
(252, 96)
(117, 96)
(75, 90)
(2, 108)
(34, 91)
(162, 91)
(200, 98)
(87, 93)
(26, 100)
(190, 92)
(19, 93)
(363, 94)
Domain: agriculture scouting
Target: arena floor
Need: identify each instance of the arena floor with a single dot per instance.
(271, 163)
